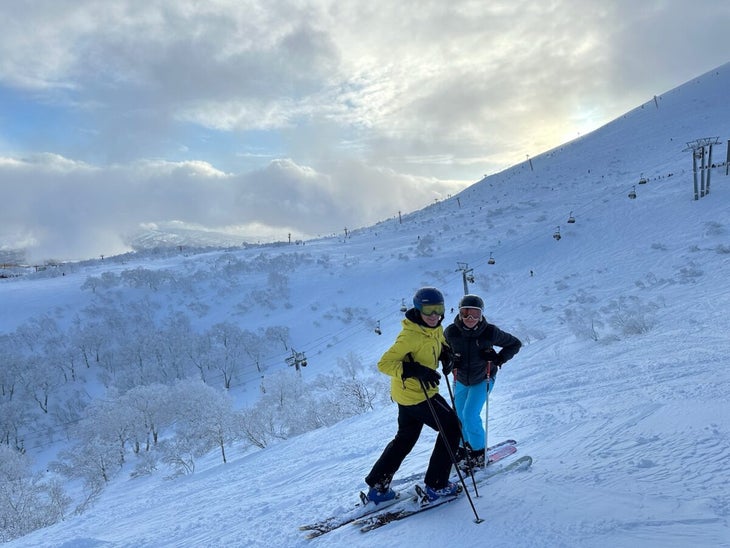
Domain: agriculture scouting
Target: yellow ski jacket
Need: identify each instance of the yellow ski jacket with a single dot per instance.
(424, 344)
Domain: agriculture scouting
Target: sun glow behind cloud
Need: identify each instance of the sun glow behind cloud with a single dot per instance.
(302, 116)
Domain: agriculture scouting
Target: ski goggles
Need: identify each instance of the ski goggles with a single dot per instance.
(470, 314)
(432, 309)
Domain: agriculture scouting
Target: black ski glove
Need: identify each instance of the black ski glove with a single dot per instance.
(429, 377)
(453, 363)
(491, 356)
(446, 360)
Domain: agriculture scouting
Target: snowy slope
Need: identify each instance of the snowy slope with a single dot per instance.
(620, 393)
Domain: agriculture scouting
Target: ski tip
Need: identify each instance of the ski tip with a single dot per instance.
(523, 463)
(314, 533)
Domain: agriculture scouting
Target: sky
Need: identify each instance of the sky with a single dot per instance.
(264, 121)
(619, 393)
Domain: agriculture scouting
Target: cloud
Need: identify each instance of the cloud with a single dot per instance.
(74, 210)
(308, 116)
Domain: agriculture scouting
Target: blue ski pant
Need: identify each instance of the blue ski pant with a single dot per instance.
(469, 401)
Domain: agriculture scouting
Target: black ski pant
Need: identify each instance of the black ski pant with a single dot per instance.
(411, 419)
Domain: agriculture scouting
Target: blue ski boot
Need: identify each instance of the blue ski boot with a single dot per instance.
(378, 494)
(450, 490)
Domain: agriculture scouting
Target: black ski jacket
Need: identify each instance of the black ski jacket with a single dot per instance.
(469, 345)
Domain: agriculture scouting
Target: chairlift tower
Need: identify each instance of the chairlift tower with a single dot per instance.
(466, 275)
(701, 150)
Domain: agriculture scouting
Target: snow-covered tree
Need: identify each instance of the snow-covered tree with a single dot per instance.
(27, 502)
(204, 420)
(228, 350)
(99, 445)
(152, 409)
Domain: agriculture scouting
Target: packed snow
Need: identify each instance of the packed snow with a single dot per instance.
(619, 394)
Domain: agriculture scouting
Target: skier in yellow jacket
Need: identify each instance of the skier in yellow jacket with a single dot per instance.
(411, 363)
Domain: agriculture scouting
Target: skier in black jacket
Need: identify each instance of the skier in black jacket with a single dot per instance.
(475, 364)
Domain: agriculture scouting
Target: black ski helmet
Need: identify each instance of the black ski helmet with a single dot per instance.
(471, 301)
(427, 295)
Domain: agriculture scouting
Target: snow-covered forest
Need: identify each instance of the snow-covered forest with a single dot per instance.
(180, 397)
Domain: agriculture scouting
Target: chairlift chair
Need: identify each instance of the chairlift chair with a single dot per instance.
(632, 194)
(571, 219)
(557, 235)
(491, 259)
(642, 181)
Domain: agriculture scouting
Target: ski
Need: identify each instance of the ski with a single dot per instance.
(416, 506)
(501, 443)
(360, 510)
(483, 474)
(365, 508)
(500, 453)
(494, 453)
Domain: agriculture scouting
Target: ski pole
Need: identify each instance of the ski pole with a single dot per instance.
(451, 452)
(451, 394)
(463, 439)
(486, 406)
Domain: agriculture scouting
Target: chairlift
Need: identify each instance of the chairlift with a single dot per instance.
(642, 181)
(571, 219)
(557, 235)
(297, 359)
(632, 194)
(491, 259)
(403, 307)
(470, 278)
(377, 328)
